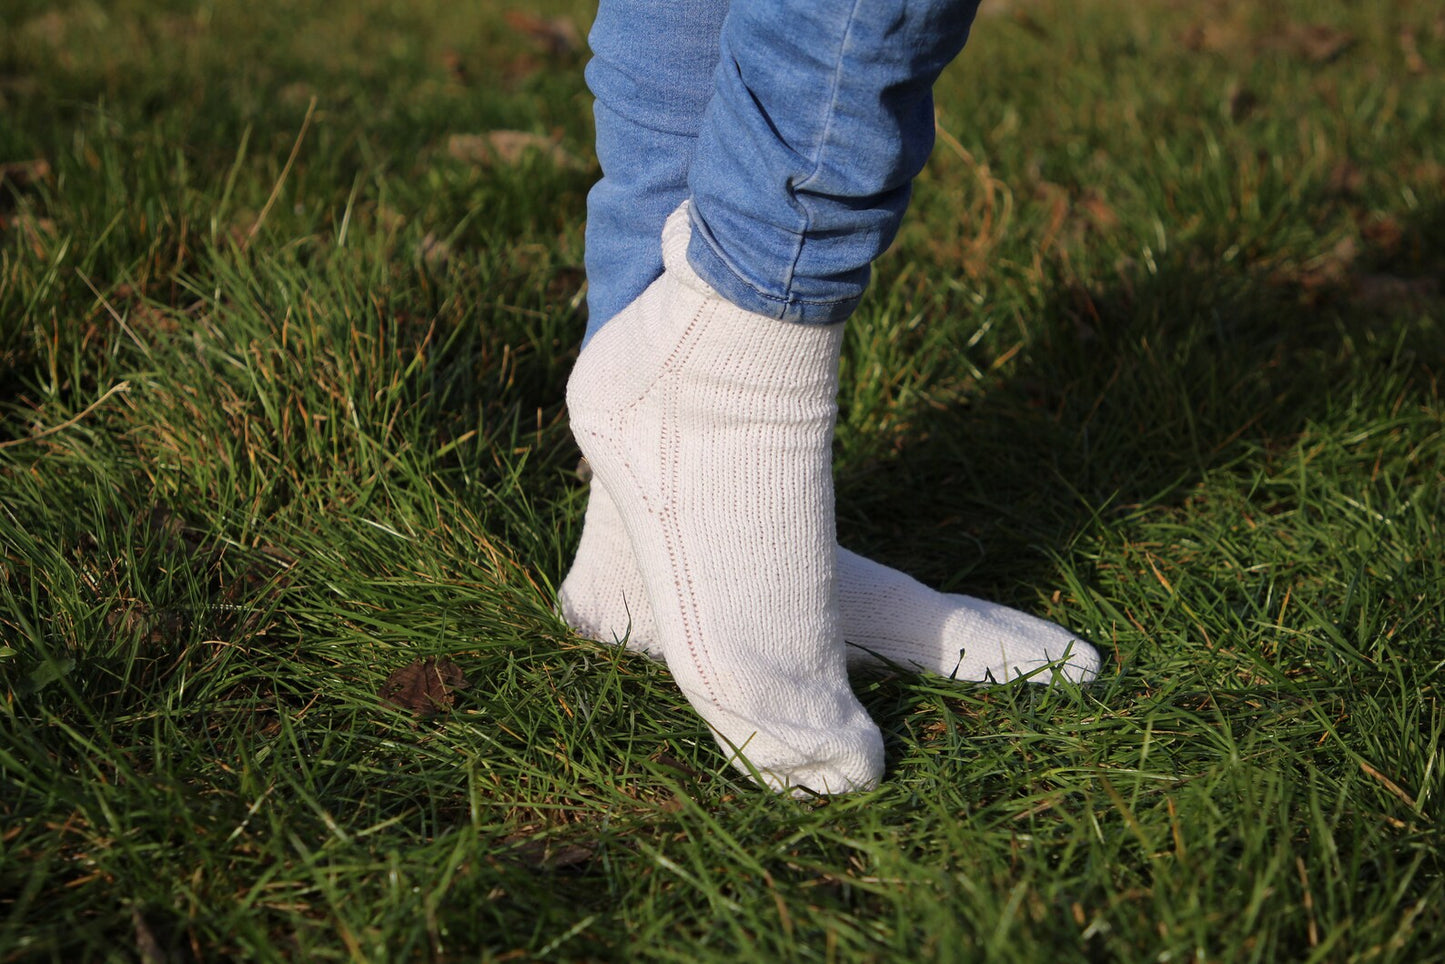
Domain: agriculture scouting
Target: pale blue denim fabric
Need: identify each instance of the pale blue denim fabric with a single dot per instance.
(651, 72)
(796, 127)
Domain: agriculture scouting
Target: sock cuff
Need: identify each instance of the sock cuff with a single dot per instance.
(808, 354)
(676, 235)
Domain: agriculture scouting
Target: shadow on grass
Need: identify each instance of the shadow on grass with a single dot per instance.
(1134, 392)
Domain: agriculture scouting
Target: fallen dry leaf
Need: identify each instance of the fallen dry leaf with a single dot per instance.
(424, 686)
(508, 147)
(549, 855)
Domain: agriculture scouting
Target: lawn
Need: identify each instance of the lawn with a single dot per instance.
(289, 292)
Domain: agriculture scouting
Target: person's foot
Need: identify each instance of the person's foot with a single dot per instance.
(710, 429)
(888, 618)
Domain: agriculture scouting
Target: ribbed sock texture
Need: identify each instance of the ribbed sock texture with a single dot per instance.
(889, 619)
(710, 429)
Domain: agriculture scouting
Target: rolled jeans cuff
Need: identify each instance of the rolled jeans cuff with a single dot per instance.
(712, 265)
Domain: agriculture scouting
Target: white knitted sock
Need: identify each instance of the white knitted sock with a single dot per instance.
(603, 596)
(711, 428)
(889, 618)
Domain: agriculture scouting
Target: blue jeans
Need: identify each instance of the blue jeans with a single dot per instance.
(795, 126)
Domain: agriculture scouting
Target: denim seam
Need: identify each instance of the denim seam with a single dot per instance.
(719, 274)
(705, 236)
(835, 84)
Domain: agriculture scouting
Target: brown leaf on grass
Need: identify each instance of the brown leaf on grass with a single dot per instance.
(424, 686)
(570, 855)
(558, 36)
(666, 759)
(508, 147)
(550, 855)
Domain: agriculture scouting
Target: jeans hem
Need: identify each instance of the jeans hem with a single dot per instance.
(713, 268)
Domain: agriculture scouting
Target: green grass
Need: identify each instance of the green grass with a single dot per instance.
(1158, 355)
